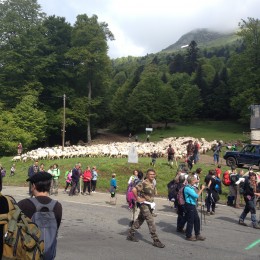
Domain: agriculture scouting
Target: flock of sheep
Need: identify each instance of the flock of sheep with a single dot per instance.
(115, 149)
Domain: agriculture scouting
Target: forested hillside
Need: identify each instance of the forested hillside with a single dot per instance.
(44, 57)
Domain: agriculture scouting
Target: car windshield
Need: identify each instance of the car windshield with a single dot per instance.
(248, 149)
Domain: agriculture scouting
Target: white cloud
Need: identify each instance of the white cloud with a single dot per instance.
(148, 26)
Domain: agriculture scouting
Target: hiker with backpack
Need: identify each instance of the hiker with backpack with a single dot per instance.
(212, 194)
(43, 211)
(234, 188)
(249, 193)
(144, 193)
(180, 202)
(20, 238)
(135, 206)
(192, 216)
(129, 194)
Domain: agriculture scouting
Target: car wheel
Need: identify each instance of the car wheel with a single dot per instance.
(231, 161)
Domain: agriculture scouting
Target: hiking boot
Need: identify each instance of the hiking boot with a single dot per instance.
(242, 223)
(191, 238)
(158, 243)
(212, 213)
(132, 238)
(200, 237)
(180, 230)
(256, 226)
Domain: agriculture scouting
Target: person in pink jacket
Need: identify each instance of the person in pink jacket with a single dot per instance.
(87, 176)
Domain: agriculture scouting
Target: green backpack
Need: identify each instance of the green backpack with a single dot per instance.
(21, 236)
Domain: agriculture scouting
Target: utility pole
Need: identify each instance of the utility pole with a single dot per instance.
(63, 124)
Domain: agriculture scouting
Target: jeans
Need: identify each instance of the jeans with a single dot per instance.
(193, 220)
(181, 220)
(249, 207)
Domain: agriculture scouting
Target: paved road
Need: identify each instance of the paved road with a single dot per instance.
(93, 229)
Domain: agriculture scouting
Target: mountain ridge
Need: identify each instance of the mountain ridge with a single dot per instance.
(203, 37)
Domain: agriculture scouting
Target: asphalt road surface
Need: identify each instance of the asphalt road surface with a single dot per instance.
(93, 229)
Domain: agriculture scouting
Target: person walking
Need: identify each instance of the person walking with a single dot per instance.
(154, 156)
(68, 179)
(196, 154)
(112, 190)
(216, 153)
(145, 192)
(170, 153)
(192, 216)
(250, 194)
(181, 219)
(212, 194)
(40, 188)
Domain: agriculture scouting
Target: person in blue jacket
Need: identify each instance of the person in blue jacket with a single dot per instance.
(192, 216)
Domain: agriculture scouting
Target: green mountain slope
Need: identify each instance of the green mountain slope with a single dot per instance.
(204, 38)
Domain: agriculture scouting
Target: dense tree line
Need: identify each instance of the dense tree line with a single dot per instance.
(41, 59)
(44, 57)
(217, 83)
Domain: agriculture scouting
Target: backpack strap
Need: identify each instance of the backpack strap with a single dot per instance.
(38, 205)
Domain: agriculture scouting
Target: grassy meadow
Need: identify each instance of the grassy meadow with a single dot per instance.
(226, 131)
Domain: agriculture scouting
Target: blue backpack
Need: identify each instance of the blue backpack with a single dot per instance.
(46, 222)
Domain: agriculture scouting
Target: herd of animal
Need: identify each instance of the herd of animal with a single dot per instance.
(115, 149)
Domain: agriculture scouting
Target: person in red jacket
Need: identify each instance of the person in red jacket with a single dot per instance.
(87, 176)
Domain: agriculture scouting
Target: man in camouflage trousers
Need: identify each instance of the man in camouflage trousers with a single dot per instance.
(144, 192)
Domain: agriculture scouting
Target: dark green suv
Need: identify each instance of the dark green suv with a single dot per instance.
(250, 155)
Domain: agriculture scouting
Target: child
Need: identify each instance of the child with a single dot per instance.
(68, 178)
(113, 187)
(12, 170)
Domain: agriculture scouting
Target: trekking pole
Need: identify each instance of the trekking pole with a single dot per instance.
(201, 210)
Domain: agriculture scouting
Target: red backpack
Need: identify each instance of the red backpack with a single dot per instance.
(226, 178)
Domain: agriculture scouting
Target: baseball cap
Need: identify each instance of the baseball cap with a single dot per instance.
(41, 176)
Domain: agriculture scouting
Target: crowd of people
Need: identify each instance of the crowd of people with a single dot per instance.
(73, 178)
(187, 190)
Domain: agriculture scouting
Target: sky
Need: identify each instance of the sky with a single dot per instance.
(143, 27)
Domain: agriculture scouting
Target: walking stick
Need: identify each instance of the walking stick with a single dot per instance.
(201, 211)
(80, 183)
